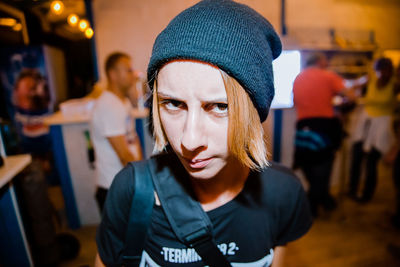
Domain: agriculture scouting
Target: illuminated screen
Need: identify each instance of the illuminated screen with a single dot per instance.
(286, 67)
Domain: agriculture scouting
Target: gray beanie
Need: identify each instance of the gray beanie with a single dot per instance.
(229, 35)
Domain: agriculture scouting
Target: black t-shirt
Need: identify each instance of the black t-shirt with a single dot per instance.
(271, 210)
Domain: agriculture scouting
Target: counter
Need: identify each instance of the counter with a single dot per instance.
(12, 166)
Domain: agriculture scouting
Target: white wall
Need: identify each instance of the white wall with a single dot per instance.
(132, 25)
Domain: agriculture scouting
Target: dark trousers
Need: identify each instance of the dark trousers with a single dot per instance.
(101, 195)
(39, 212)
(372, 158)
(318, 176)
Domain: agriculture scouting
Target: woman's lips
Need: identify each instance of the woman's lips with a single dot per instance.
(198, 163)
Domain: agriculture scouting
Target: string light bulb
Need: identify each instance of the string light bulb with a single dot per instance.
(17, 27)
(57, 7)
(89, 33)
(83, 24)
(73, 20)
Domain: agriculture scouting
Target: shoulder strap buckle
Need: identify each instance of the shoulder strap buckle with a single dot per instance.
(197, 238)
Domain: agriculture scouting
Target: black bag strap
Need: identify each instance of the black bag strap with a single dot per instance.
(185, 215)
(140, 214)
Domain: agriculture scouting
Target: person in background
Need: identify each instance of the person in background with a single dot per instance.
(211, 79)
(33, 103)
(112, 127)
(32, 100)
(373, 135)
(318, 131)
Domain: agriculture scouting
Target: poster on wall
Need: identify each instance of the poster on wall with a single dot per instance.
(26, 98)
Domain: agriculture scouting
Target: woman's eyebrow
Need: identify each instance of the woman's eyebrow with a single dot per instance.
(163, 95)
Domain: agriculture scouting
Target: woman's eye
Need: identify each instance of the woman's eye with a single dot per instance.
(219, 108)
(171, 104)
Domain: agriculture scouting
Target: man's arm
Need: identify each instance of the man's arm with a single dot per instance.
(352, 88)
(121, 147)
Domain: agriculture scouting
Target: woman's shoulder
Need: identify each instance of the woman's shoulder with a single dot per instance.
(279, 175)
(279, 184)
(125, 178)
(124, 183)
(285, 199)
(283, 194)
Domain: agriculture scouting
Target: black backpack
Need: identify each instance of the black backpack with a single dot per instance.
(185, 215)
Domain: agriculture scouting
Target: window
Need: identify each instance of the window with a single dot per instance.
(286, 67)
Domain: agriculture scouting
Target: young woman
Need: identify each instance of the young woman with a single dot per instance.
(373, 135)
(211, 78)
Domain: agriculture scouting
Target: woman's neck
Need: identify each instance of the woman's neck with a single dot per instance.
(217, 191)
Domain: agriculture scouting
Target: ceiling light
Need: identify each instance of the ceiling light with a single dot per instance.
(57, 7)
(83, 24)
(73, 20)
(89, 33)
(17, 27)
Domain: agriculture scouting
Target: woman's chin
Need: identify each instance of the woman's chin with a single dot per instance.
(205, 173)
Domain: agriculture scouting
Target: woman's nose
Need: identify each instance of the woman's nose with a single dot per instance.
(194, 137)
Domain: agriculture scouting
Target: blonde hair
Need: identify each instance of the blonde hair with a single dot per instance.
(245, 132)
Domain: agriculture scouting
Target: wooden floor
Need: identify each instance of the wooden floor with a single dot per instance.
(354, 235)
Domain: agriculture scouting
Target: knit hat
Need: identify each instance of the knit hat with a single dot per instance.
(229, 35)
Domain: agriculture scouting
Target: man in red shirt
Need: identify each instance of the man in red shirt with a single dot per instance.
(314, 89)
(318, 131)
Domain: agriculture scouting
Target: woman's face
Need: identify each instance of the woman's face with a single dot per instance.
(194, 115)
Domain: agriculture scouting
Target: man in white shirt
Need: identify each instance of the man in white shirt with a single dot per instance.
(112, 127)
